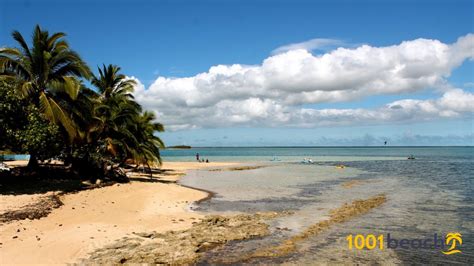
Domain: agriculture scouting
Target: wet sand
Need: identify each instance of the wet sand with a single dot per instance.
(91, 219)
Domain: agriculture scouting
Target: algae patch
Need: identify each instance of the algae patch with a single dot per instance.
(36, 210)
(352, 183)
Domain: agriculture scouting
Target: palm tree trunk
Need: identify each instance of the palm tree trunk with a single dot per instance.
(33, 162)
(68, 160)
(149, 169)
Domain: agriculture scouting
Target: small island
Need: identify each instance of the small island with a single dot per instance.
(180, 147)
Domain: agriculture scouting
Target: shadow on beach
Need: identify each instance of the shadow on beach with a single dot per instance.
(44, 187)
(40, 181)
(44, 179)
(49, 178)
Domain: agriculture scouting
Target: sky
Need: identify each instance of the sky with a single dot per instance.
(280, 73)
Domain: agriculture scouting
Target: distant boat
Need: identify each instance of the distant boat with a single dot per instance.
(411, 157)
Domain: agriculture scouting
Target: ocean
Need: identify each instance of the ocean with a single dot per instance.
(433, 194)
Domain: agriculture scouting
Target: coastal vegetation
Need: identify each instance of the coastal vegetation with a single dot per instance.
(48, 110)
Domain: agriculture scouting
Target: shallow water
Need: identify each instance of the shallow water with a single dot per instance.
(432, 194)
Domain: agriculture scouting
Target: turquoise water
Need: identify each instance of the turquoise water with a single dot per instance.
(13, 157)
(432, 194)
(244, 154)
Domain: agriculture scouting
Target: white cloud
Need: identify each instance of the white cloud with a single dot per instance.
(457, 101)
(468, 85)
(272, 94)
(313, 44)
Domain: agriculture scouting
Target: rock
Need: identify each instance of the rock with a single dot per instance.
(180, 247)
(205, 246)
(146, 235)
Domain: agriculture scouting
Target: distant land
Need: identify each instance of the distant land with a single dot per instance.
(179, 147)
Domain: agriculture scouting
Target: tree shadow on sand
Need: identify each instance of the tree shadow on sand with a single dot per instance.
(44, 179)
(57, 178)
(47, 178)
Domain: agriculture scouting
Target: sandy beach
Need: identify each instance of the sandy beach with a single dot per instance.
(93, 218)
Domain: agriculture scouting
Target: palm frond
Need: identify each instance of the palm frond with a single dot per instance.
(55, 114)
(26, 89)
(19, 38)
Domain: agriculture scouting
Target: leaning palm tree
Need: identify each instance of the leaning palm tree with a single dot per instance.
(116, 109)
(36, 69)
(148, 150)
(126, 131)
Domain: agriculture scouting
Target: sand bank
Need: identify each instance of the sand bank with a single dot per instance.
(90, 219)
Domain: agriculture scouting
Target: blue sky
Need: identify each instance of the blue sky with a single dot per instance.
(182, 39)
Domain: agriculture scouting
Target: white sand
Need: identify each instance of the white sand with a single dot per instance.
(90, 219)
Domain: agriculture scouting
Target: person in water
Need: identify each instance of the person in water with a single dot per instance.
(207, 160)
(197, 157)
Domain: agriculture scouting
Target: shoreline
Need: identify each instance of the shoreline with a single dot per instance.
(151, 220)
(93, 218)
(209, 194)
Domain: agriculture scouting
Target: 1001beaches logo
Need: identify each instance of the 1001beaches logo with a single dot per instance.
(448, 245)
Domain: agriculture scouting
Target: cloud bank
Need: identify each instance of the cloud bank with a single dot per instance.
(274, 93)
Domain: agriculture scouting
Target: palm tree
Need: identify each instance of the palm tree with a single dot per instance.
(79, 102)
(39, 69)
(149, 146)
(128, 133)
(111, 83)
(116, 109)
